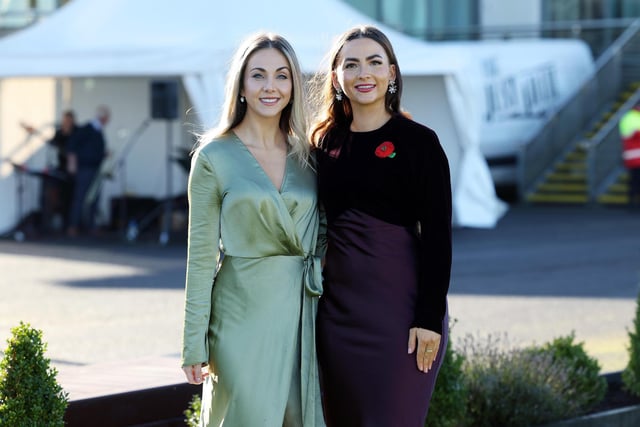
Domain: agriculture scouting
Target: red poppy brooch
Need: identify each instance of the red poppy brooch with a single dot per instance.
(386, 149)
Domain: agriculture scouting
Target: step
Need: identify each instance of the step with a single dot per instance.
(596, 127)
(576, 155)
(134, 392)
(566, 177)
(557, 198)
(613, 199)
(618, 187)
(576, 164)
(562, 187)
(575, 169)
(571, 167)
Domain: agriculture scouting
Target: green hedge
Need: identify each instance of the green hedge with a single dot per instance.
(490, 383)
(631, 373)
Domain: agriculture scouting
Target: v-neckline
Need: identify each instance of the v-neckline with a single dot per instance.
(264, 172)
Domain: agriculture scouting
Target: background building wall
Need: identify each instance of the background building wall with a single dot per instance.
(508, 12)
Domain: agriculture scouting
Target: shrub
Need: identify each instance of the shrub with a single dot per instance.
(512, 387)
(448, 406)
(587, 386)
(193, 411)
(631, 373)
(29, 392)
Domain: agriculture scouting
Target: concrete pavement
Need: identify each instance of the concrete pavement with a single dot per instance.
(546, 271)
(111, 311)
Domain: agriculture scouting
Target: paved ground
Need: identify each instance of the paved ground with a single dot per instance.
(111, 311)
(547, 271)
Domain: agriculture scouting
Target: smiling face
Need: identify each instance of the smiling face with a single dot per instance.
(363, 72)
(267, 83)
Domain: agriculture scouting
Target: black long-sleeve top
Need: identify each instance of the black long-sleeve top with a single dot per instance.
(60, 141)
(409, 187)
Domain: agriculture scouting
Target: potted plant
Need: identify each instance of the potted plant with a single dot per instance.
(29, 392)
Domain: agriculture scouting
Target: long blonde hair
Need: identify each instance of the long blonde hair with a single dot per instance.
(293, 117)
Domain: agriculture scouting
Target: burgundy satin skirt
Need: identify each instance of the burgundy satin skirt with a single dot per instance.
(364, 316)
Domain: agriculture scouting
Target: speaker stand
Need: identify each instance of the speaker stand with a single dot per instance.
(168, 203)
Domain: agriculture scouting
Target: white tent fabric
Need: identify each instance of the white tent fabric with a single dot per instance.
(193, 40)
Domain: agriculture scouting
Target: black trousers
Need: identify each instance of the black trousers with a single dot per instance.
(634, 187)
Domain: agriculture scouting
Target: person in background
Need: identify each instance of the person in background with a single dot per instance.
(60, 141)
(61, 137)
(58, 189)
(85, 152)
(629, 128)
(385, 185)
(253, 277)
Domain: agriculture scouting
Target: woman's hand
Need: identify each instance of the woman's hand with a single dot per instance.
(427, 343)
(195, 373)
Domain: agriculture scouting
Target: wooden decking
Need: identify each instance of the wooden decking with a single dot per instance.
(97, 380)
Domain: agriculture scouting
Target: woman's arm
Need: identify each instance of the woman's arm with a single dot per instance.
(202, 257)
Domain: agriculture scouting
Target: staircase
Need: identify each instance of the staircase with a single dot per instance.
(576, 157)
(616, 193)
(566, 182)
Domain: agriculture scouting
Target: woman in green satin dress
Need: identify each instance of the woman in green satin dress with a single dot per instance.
(253, 277)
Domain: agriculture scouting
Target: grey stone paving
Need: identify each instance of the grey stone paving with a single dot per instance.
(109, 306)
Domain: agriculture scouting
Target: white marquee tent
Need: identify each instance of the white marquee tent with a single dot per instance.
(193, 40)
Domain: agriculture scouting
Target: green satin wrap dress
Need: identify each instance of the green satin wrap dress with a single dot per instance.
(252, 287)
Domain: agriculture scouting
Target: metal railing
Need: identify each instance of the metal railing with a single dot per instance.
(604, 155)
(568, 122)
(599, 34)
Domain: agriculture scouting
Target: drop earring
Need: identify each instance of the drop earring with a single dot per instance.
(242, 99)
(338, 95)
(392, 87)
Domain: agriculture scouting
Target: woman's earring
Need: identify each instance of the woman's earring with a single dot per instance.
(392, 87)
(242, 99)
(338, 95)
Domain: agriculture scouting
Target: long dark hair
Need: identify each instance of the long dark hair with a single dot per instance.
(335, 117)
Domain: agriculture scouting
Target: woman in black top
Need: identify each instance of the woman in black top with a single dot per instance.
(384, 183)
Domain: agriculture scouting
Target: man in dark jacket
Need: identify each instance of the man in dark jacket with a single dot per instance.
(85, 153)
